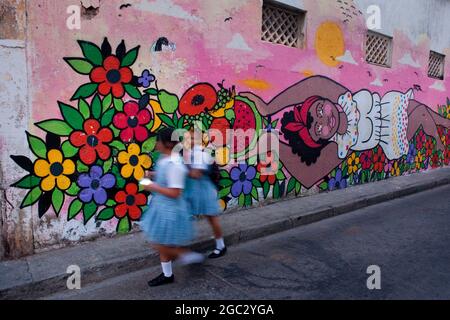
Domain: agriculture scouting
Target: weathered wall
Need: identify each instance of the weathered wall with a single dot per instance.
(207, 42)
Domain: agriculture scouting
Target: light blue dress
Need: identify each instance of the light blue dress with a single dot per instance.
(167, 221)
(202, 194)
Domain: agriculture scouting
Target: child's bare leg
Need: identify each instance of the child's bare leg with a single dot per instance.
(215, 225)
(421, 115)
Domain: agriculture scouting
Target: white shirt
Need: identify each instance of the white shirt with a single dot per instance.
(176, 171)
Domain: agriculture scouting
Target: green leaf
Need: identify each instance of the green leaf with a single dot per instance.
(68, 149)
(224, 192)
(298, 187)
(107, 165)
(58, 127)
(280, 175)
(130, 57)
(230, 115)
(257, 183)
(32, 197)
(72, 116)
(107, 117)
(27, 182)
(91, 52)
(120, 181)
(225, 182)
(241, 200)
(74, 209)
(248, 200)
(84, 108)
(89, 210)
(37, 145)
(73, 189)
(81, 66)
(132, 91)
(151, 91)
(118, 145)
(111, 203)
(164, 118)
(149, 145)
(255, 193)
(105, 214)
(291, 185)
(107, 101)
(266, 188)
(81, 167)
(276, 190)
(118, 104)
(323, 186)
(57, 200)
(224, 174)
(96, 107)
(124, 225)
(85, 91)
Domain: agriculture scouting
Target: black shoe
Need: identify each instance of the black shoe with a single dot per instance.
(160, 280)
(214, 254)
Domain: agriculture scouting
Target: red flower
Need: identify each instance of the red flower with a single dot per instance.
(366, 159)
(132, 122)
(378, 160)
(201, 97)
(447, 157)
(435, 160)
(129, 202)
(429, 146)
(111, 77)
(92, 141)
(420, 140)
(267, 169)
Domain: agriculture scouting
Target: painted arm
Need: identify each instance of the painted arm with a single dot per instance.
(297, 93)
(310, 175)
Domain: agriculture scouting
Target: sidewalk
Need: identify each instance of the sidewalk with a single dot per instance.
(45, 273)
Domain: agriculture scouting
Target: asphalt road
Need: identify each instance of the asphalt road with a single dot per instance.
(408, 238)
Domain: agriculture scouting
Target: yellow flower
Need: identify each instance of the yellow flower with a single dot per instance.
(54, 170)
(352, 162)
(395, 170)
(222, 156)
(134, 162)
(419, 160)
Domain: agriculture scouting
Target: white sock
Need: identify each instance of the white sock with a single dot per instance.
(191, 257)
(167, 268)
(220, 244)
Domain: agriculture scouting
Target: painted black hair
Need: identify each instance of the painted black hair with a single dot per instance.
(306, 154)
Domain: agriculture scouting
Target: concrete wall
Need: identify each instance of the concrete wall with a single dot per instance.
(206, 46)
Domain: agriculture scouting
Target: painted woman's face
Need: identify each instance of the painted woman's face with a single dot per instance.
(325, 120)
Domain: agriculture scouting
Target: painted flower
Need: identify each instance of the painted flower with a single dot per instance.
(447, 157)
(353, 163)
(129, 202)
(242, 177)
(54, 171)
(378, 159)
(267, 169)
(420, 139)
(395, 169)
(429, 146)
(201, 97)
(111, 77)
(338, 181)
(92, 141)
(146, 78)
(132, 122)
(419, 160)
(410, 158)
(388, 166)
(435, 160)
(94, 185)
(357, 177)
(134, 163)
(366, 159)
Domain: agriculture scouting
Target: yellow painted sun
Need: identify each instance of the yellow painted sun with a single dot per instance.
(329, 43)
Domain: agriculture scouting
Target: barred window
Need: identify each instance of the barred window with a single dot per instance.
(282, 24)
(378, 49)
(436, 65)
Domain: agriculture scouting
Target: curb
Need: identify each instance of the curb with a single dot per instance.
(287, 219)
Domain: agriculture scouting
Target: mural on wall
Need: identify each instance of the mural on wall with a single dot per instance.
(92, 157)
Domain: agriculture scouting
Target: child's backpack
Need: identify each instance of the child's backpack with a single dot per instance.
(214, 174)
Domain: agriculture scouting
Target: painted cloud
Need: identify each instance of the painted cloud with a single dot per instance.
(238, 42)
(408, 60)
(347, 57)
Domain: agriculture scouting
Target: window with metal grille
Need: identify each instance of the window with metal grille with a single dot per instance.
(378, 49)
(282, 25)
(436, 65)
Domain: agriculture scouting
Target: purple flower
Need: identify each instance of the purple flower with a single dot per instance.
(94, 185)
(146, 78)
(242, 176)
(410, 159)
(338, 182)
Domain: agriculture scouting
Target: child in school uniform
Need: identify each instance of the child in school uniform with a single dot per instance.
(201, 193)
(167, 222)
